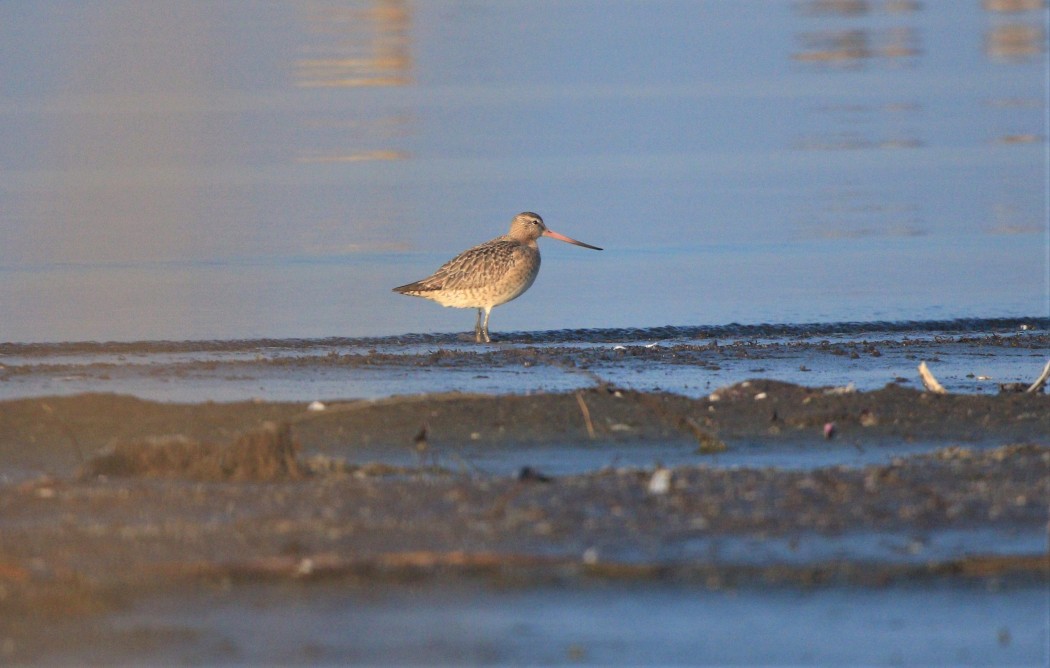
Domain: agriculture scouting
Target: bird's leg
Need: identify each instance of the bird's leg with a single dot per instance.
(477, 328)
(485, 327)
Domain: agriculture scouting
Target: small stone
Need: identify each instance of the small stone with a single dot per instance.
(660, 482)
(529, 474)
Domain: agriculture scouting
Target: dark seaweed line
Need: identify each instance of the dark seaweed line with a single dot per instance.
(608, 335)
(774, 331)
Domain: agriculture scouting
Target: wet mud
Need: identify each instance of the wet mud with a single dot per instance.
(54, 434)
(130, 496)
(689, 361)
(110, 501)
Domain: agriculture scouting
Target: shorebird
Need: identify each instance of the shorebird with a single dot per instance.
(491, 273)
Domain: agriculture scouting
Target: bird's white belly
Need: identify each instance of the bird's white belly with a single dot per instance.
(489, 295)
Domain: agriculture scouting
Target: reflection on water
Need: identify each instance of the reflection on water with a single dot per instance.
(1019, 37)
(239, 170)
(356, 45)
(896, 119)
(856, 7)
(351, 46)
(1015, 40)
(849, 209)
(852, 46)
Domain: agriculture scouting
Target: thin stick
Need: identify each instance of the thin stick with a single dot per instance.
(586, 415)
(67, 430)
(1041, 380)
(466, 463)
(929, 382)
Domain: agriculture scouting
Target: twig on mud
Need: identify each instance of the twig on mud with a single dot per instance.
(424, 451)
(929, 382)
(1040, 381)
(421, 446)
(67, 430)
(550, 360)
(465, 463)
(708, 442)
(586, 415)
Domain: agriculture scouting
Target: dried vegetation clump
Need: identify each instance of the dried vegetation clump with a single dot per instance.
(264, 454)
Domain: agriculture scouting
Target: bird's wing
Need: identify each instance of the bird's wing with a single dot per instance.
(477, 267)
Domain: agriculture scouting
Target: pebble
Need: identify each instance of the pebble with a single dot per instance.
(660, 483)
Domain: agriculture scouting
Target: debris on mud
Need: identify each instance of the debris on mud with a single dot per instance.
(38, 438)
(256, 491)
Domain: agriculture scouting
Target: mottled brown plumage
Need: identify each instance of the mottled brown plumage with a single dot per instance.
(490, 274)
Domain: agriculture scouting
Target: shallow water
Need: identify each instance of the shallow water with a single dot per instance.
(597, 624)
(572, 458)
(970, 356)
(241, 170)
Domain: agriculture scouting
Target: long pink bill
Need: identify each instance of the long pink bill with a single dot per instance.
(561, 237)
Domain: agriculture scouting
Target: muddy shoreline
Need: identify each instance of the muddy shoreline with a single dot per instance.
(258, 492)
(57, 436)
(57, 433)
(970, 362)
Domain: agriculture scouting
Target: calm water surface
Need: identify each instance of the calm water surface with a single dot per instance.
(589, 625)
(243, 169)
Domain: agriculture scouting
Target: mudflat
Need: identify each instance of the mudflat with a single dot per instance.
(108, 501)
(145, 494)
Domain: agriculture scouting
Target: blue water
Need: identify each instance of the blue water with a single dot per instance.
(239, 170)
(663, 624)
